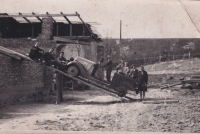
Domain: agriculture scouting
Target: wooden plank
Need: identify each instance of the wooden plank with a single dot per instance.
(10, 54)
(195, 76)
(191, 87)
(13, 53)
(24, 18)
(66, 18)
(160, 102)
(69, 40)
(76, 37)
(38, 15)
(191, 81)
(172, 85)
(87, 27)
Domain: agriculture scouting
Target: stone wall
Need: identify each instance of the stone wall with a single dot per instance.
(20, 78)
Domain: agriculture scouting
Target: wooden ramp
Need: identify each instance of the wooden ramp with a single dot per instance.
(87, 82)
(13, 54)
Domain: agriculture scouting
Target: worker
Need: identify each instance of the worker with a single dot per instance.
(142, 82)
(134, 75)
(120, 67)
(126, 69)
(36, 53)
(48, 57)
(61, 58)
(108, 68)
(96, 67)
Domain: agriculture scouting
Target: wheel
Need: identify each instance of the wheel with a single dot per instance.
(121, 91)
(73, 70)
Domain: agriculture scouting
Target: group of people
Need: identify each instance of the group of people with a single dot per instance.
(139, 77)
(48, 58)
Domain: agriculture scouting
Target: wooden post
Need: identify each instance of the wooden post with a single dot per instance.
(57, 29)
(70, 30)
(32, 30)
(120, 31)
(61, 88)
(59, 80)
(83, 30)
(58, 88)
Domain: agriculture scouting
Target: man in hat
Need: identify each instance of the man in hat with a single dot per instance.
(142, 82)
(108, 68)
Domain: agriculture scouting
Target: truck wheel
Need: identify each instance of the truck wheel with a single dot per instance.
(73, 70)
(125, 86)
(121, 91)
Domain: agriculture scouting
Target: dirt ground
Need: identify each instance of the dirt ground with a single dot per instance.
(92, 110)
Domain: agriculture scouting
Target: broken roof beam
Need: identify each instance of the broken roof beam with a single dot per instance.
(37, 17)
(66, 18)
(87, 27)
(24, 18)
(76, 37)
(51, 17)
(68, 40)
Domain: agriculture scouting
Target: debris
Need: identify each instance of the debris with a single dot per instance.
(172, 85)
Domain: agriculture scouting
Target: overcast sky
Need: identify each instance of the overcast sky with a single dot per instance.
(140, 18)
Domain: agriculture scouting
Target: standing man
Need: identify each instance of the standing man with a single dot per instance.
(126, 69)
(108, 67)
(134, 74)
(120, 67)
(142, 82)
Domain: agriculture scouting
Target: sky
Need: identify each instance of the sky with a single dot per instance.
(140, 18)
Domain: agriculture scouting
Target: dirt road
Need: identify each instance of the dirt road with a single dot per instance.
(93, 110)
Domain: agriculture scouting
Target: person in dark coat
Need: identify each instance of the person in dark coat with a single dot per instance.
(142, 82)
(134, 74)
(48, 57)
(50, 60)
(108, 68)
(36, 53)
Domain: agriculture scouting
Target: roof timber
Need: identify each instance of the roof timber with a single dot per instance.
(27, 19)
(37, 15)
(51, 17)
(24, 18)
(66, 18)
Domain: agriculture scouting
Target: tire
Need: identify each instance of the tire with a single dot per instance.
(121, 91)
(125, 86)
(73, 70)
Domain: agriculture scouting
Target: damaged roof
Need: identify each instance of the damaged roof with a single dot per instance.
(8, 21)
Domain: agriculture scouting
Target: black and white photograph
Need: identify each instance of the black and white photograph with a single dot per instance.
(99, 66)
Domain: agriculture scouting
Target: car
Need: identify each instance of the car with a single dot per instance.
(87, 69)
